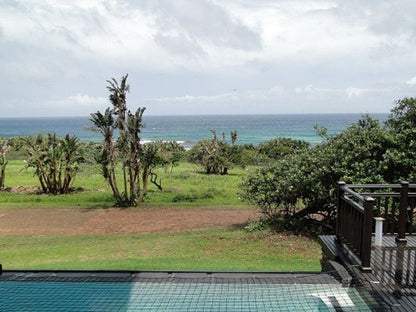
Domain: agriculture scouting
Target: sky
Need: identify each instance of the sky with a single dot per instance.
(207, 56)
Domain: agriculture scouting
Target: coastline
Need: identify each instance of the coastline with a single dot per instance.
(189, 129)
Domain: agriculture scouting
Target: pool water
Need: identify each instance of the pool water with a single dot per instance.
(150, 296)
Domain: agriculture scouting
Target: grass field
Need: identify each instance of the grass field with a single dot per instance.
(227, 249)
(224, 250)
(185, 186)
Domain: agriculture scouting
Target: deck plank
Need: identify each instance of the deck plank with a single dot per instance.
(394, 270)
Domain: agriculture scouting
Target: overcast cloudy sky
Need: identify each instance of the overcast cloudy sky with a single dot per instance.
(207, 56)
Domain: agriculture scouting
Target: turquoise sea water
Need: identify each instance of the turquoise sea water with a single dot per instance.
(179, 297)
(190, 129)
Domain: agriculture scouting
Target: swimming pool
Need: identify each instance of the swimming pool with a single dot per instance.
(174, 294)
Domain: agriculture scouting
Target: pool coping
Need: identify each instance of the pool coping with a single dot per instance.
(171, 276)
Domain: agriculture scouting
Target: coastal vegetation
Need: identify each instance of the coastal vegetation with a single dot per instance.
(55, 161)
(298, 192)
(122, 147)
(126, 148)
(217, 156)
(284, 177)
(280, 147)
(184, 186)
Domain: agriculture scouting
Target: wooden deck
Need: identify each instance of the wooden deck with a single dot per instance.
(392, 282)
(394, 264)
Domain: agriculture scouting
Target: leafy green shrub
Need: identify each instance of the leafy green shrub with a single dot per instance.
(55, 160)
(210, 193)
(257, 226)
(280, 147)
(366, 152)
(402, 126)
(216, 156)
(212, 155)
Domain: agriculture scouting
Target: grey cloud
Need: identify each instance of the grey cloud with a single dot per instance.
(11, 4)
(382, 17)
(66, 34)
(179, 44)
(395, 18)
(204, 22)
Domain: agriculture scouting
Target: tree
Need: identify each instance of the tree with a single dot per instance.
(357, 155)
(173, 152)
(55, 160)
(212, 155)
(104, 124)
(126, 148)
(4, 148)
(152, 158)
(402, 126)
(281, 147)
(233, 137)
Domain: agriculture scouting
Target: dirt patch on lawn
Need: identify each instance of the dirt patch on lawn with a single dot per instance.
(119, 221)
(42, 221)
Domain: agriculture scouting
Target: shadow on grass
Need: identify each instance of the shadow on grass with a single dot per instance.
(239, 226)
(97, 207)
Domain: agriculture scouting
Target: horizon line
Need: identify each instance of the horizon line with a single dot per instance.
(184, 115)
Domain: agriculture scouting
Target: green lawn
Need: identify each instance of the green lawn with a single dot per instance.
(185, 187)
(225, 250)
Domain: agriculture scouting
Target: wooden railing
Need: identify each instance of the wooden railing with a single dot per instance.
(357, 206)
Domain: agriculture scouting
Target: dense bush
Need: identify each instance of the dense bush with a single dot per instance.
(402, 125)
(366, 152)
(55, 160)
(279, 147)
(214, 155)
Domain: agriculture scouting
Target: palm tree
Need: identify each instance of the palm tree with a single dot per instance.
(127, 147)
(105, 125)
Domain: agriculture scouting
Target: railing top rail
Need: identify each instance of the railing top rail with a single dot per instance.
(368, 188)
(374, 186)
(351, 192)
(354, 204)
(380, 195)
(379, 186)
(393, 195)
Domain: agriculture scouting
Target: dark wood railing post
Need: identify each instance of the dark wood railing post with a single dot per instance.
(366, 234)
(340, 194)
(404, 192)
(398, 272)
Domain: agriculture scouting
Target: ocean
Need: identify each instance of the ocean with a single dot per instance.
(188, 130)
